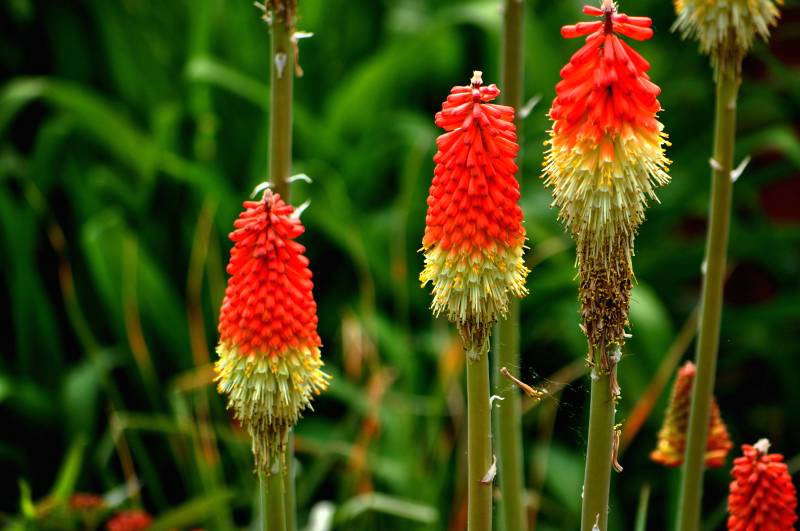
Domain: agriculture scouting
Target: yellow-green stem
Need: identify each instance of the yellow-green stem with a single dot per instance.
(479, 446)
(506, 346)
(691, 495)
(280, 110)
(597, 477)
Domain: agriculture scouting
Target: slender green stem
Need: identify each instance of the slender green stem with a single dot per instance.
(281, 485)
(597, 478)
(479, 447)
(280, 110)
(711, 310)
(508, 416)
(506, 345)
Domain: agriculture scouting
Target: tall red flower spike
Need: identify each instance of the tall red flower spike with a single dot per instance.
(474, 238)
(672, 436)
(605, 159)
(269, 359)
(762, 496)
(133, 520)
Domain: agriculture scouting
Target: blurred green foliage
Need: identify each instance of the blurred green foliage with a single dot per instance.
(130, 132)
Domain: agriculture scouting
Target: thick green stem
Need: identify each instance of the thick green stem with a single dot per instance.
(280, 110)
(691, 495)
(597, 478)
(273, 512)
(479, 447)
(506, 346)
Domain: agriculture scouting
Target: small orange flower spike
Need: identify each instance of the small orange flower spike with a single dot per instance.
(474, 238)
(605, 158)
(672, 436)
(269, 359)
(762, 496)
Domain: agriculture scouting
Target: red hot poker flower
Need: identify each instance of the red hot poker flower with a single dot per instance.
(672, 436)
(133, 520)
(762, 496)
(269, 358)
(474, 237)
(605, 159)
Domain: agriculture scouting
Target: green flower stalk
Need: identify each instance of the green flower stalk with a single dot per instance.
(726, 29)
(508, 418)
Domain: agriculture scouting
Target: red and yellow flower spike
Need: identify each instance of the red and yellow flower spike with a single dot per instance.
(269, 351)
(762, 496)
(132, 520)
(672, 436)
(726, 29)
(605, 158)
(474, 238)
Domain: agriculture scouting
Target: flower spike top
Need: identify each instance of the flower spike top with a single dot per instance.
(605, 158)
(762, 496)
(474, 238)
(269, 351)
(726, 29)
(672, 436)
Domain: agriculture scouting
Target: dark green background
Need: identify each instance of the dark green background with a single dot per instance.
(130, 132)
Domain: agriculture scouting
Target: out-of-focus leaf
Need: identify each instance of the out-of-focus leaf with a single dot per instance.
(103, 240)
(780, 138)
(26, 505)
(382, 503)
(100, 118)
(565, 477)
(213, 72)
(192, 512)
(70, 470)
(81, 389)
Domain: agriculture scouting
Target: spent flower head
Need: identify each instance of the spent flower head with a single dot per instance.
(269, 362)
(474, 238)
(605, 159)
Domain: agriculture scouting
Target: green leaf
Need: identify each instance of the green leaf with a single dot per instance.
(382, 503)
(193, 512)
(70, 470)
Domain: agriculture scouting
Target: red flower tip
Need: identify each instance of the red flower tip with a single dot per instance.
(129, 521)
(637, 28)
(268, 306)
(762, 496)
